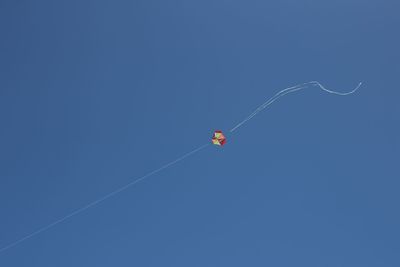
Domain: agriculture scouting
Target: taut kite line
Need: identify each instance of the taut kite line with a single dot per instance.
(218, 138)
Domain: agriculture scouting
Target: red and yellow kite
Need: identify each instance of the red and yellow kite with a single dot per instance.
(218, 138)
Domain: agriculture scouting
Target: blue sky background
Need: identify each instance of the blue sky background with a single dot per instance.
(94, 94)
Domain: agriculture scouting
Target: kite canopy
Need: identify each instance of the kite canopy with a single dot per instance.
(218, 138)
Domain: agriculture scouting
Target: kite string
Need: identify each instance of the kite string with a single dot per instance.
(287, 91)
(95, 202)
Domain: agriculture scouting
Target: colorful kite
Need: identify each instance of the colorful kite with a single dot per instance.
(218, 138)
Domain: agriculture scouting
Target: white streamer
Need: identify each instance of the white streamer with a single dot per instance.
(288, 91)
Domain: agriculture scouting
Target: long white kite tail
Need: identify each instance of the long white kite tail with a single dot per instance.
(289, 90)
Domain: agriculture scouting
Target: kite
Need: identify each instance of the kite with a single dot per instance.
(218, 138)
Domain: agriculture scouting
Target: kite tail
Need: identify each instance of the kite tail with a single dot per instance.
(288, 91)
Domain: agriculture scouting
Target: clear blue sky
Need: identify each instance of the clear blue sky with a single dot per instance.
(94, 94)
